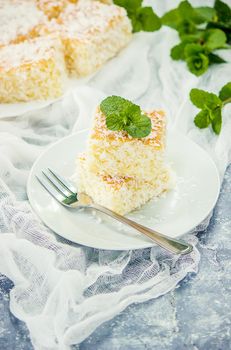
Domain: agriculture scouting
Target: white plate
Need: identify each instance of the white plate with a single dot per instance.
(176, 213)
(17, 109)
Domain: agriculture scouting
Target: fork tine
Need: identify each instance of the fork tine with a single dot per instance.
(55, 193)
(57, 185)
(63, 181)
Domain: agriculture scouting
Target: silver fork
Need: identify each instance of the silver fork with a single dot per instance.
(65, 193)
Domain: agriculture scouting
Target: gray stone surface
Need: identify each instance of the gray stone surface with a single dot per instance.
(196, 315)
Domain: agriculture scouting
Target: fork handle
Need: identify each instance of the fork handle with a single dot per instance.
(175, 246)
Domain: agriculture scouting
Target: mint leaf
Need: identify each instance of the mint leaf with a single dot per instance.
(202, 119)
(142, 18)
(192, 38)
(122, 114)
(172, 19)
(184, 18)
(115, 122)
(177, 52)
(223, 19)
(140, 127)
(136, 24)
(216, 121)
(215, 59)
(148, 19)
(197, 63)
(118, 105)
(185, 9)
(223, 12)
(211, 106)
(206, 13)
(186, 27)
(225, 93)
(193, 15)
(214, 39)
(129, 5)
(196, 59)
(202, 99)
(193, 50)
(199, 97)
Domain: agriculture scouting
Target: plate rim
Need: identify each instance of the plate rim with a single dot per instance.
(145, 244)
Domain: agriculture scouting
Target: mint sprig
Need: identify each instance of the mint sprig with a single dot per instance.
(122, 114)
(206, 27)
(209, 28)
(142, 18)
(211, 107)
(222, 19)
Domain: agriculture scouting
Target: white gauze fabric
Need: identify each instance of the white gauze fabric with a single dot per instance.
(64, 291)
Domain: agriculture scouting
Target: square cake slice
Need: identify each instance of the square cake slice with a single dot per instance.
(121, 194)
(20, 20)
(92, 33)
(118, 154)
(32, 70)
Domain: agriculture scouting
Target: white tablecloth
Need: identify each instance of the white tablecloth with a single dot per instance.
(64, 291)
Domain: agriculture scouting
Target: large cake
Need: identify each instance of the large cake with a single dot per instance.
(89, 33)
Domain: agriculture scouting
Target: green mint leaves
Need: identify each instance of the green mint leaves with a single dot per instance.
(201, 30)
(196, 58)
(122, 114)
(223, 19)
(225, 93)
(185, 18)
(208, 28)
(211, 107)
(142, 18)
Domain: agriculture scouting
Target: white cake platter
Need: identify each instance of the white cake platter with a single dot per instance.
(179, 211)
(17, 109)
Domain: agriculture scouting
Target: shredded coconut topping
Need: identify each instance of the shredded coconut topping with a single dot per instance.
(27, 52)
(100, 129)
(18, 17)
(119, 180)
(87, 17)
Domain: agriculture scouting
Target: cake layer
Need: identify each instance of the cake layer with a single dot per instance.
(118, 154)
(20, 20)
(121, 194)
(32, 70)
(92, 33)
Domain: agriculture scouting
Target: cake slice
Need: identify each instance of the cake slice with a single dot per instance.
(20, 20)
(32, 70)
(117, 153)
(124, 164)
(92, 33)
(121, 194)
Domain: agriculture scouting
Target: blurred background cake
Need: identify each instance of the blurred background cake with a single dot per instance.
(20, 20)
(90, 32)
(32, 70)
